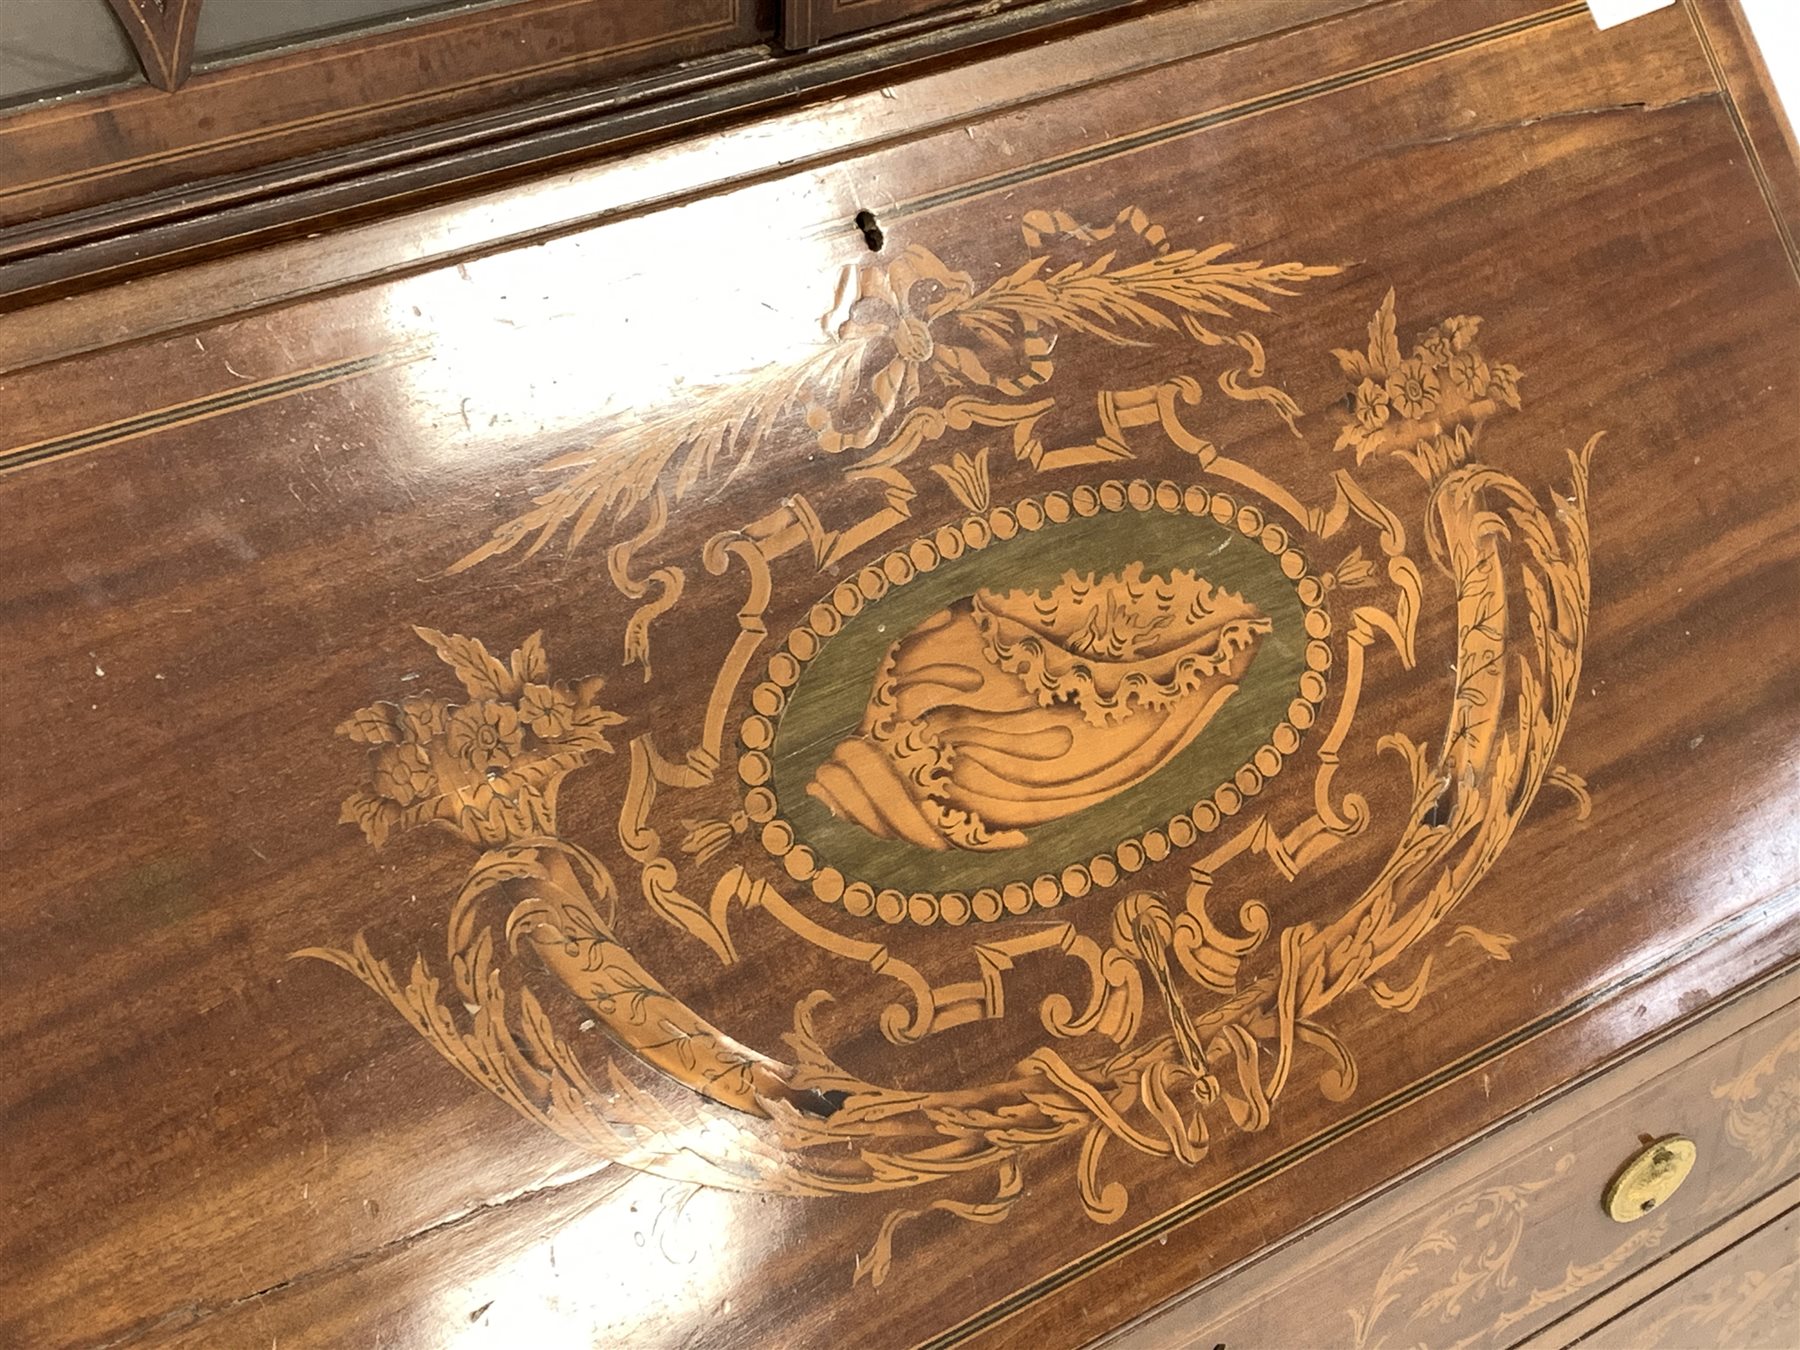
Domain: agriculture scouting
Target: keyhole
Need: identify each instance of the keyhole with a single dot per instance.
(871, 230)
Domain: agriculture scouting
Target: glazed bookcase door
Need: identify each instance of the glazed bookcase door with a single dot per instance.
(219, 94)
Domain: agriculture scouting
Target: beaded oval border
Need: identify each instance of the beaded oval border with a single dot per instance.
(999, 524)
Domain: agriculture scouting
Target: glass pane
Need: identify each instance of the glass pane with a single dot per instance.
(239, 27)
(50, 47)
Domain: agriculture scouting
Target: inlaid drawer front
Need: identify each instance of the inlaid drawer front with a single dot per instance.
(1517, 1234)
(1762, 1116)
(1746, 1298)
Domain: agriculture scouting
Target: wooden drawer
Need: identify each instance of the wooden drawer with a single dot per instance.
(1508, 1239)
(1746, 1298)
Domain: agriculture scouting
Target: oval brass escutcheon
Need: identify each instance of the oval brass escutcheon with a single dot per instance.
(1651, 1177)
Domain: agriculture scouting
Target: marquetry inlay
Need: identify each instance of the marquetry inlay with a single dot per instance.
(1075, 672)
(1007, 716)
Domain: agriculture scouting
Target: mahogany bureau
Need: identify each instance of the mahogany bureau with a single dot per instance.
(731, 674)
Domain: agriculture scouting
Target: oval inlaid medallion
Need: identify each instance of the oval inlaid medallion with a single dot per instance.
(1035, 702)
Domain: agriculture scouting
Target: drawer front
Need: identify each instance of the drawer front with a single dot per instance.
(1746, 1298)
(1502, 1242)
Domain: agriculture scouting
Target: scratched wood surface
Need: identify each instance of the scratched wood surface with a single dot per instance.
(540, 802)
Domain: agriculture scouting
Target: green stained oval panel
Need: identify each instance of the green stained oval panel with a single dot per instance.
(1044, 689)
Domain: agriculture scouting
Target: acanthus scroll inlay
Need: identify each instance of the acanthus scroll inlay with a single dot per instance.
(1092, 663)
(1460, 1269)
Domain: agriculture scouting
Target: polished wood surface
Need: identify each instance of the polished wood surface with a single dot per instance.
(713, 159)
(422, 643)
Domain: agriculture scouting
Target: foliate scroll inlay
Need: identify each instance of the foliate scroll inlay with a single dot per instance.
(1763, 1119)
(1001, 642)
(1458, 1274)
(1737, 1310)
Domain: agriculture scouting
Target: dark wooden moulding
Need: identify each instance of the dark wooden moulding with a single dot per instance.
(421, 596)
(103, 186)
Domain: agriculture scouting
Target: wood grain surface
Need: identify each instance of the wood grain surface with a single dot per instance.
(485, 611)
(715, 155)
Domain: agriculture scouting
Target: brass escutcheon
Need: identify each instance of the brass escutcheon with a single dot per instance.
(1650, 1178)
